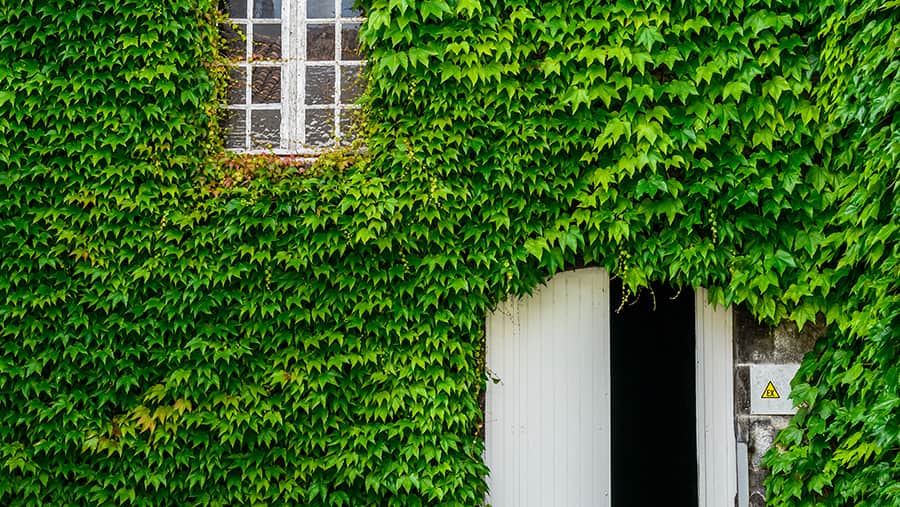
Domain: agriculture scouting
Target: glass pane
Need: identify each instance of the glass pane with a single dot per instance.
(237, 81)
(350, 125)
(319, 127)
(320, 42)
(350, 42)
(235, 129)
(348, 11)
(267, 42)
(319, 8)
(267, 9)
(235, 40)
(265, 129)
(266, 85)
(234, 8)
(352, 83)
(320, 85)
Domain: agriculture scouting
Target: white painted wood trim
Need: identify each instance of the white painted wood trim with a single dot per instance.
(293, 77)
(716, 445)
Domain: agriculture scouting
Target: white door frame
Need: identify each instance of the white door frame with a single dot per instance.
(716, 465)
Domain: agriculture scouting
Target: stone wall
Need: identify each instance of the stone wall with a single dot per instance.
(758, 344)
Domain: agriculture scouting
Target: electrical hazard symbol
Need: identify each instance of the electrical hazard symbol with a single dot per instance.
(770, 392)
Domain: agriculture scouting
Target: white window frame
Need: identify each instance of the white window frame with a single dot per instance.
(293, 64)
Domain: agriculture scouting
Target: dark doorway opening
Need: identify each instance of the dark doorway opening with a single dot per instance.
(654, 448)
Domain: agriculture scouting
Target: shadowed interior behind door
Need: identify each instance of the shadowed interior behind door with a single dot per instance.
(654, 450)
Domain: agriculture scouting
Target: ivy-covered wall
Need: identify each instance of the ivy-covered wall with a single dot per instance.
(845, 449)
(178, 329)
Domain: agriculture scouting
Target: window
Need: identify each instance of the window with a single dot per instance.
(296, 74)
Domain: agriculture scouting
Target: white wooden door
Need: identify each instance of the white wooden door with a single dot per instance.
(548, 413)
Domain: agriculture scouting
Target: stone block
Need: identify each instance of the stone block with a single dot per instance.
(753, 342)
(742, 390)
(761, 436)
(791, 344)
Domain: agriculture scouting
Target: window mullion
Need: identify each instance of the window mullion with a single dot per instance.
(338, 44)
(292, 85)
(248, 89)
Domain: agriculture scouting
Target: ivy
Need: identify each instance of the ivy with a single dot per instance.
(843, 448)
(182, 327)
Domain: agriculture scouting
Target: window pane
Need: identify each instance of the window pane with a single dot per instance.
(350, 125)
(320, 8)
(267, 42)
(267, 9)
(350, 42)
(320, 85)
(235, 129)
(319, 127)
(348, 11)
(352, 84)
(320, 42)
(235, 37)
(265, 129)
(234, 8)
(266, 85)
(237, 82)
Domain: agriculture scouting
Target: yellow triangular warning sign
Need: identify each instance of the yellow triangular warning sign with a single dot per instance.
(770, 391)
